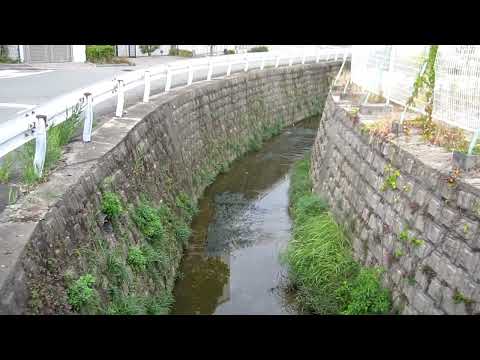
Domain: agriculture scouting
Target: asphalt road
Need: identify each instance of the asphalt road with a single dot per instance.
(22, 88)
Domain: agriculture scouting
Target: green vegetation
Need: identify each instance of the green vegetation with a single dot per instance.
(57, 138)
(180, 52)
(136, 259)
(230, 52)
(258, 49)
(5, 168)
(392, 175)
(187, 206)
(149, 222)
(458, 298)
(404, 236)
(149, 49)
(4, 58)
(134, 274)
(111, 205)
(81, 293)
(319, 257)
(100, 53)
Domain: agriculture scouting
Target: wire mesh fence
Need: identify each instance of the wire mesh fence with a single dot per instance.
(388, 70)
(457, 86)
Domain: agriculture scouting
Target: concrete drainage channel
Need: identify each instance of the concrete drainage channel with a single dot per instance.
(166, 151)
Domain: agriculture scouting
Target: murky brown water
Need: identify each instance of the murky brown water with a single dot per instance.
(232, 264)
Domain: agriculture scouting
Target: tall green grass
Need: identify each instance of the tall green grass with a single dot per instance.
(319, 257)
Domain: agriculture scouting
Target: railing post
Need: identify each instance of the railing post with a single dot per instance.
(146, 93)
(277, 61)
(40, 144)
(290, 62)
(246, 64)
(304, 58)
(168, 82)
(190, 74)
(262, 66)
(336, 55)
(210, 71)
(229, 69)
(317, 58)
(120, 98)
(88, 122)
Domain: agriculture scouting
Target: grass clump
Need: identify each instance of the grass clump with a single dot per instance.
(136, 258)
(148, 220)
(81, 293)
(187, 206)
(365, 295)
(321, 266)
(111, 205)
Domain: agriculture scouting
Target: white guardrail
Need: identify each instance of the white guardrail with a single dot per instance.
(32, 126)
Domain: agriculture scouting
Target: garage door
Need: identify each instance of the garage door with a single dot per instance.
(48, 53)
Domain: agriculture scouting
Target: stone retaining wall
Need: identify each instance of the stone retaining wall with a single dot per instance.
(425, 233)
(177, 142)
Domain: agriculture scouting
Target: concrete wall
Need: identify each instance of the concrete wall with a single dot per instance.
(440, 276)
(175, 143)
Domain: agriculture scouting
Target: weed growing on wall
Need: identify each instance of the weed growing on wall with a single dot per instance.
(81, 293)
(111, 205)
(319, 257)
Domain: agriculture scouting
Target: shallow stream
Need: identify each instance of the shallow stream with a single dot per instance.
(232, 264)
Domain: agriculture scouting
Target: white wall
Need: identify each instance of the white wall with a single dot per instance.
(79, 53)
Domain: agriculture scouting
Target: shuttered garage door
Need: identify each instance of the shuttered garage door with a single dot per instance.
(48, 53)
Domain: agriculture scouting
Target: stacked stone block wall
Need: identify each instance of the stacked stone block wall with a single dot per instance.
(424, 231)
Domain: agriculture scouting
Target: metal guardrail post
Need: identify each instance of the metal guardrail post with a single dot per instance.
(40, 144)
(246, 64)
(146, 92)
(88, 122)
(473, 142)
(229, 69)
(262, 66)
(168, 82)
(190, 74)
(277, 61)
(304, 58)
(120, 98)
(290, 62)
(210, 71)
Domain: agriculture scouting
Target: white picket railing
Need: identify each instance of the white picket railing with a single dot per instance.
(32, 125)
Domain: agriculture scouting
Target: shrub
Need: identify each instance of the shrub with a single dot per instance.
(111, 205)
(180, 52)
(100, 53)
(182, 232)
(230, 52)
(258, 49)
(365, 295)
(136, 259)
(81, 292)
(149, 49)
(149, 222)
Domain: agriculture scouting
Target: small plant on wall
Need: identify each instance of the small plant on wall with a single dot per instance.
(392, 175)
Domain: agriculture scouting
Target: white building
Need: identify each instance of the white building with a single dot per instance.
(47, 53)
